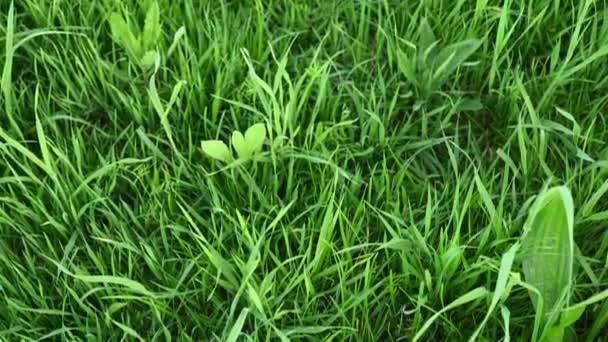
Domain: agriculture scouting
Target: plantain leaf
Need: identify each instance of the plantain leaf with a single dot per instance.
(240, 145)
(450, 58)
(124, 36)
(548, 247)
(151, 32)
(426, 36)
(255, 136)
(216, 149)
(407, 67)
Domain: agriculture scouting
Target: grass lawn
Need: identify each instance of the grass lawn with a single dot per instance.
(342, 170)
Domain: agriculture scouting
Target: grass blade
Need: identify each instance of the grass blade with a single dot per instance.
(237, 328)
(470, 296)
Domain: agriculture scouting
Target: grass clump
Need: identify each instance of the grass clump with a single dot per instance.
(329, 170)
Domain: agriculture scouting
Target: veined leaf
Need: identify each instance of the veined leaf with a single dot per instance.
(254, 137)
(240, 145)
(151, 32)
(548, 247)
(216, 149)
(450, 58)
(426, 35)
(407, 66)
(124, 36)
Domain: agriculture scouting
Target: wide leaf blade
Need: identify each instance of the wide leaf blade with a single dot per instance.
(121, 31)
(239, 145)
(548, 247)
(255, 136)
(450, 58)
(216, 149)
(151, 32)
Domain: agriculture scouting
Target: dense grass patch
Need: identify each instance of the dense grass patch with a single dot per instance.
(405, 144)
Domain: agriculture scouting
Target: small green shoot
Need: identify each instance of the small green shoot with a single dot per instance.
(217, 149)
(250, 144)
(429, 67)
(140, 47)
(245, 146)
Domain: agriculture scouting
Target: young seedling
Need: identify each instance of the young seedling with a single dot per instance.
(139, 46)
(245, 146)
(431, 66)
(217, 149)
(250, 144)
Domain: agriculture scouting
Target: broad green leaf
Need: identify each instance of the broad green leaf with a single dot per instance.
(151, 32)
(240, 145)
(124, 36)
(450, 58)
(148, 59)
(554, 334)
(548, 246)
(571, 315)
(426, 36)
(216, 149)
(408, 68)
(255, 136)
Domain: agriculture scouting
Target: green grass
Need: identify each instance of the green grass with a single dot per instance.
(406, 143)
